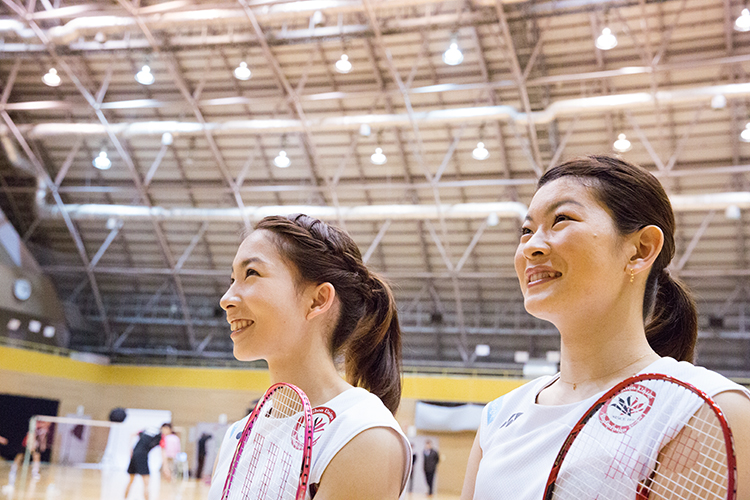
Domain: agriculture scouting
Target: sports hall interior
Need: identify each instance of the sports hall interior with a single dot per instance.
(139, 139)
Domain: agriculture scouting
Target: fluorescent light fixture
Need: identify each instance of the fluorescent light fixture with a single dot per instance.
(745, 134)
(606, 40)
(378, 158)
(167, 139)
(102, 162)
(111, 223)
(49, 331)
(35, 326)
(51, 78)
(365, 130)
(144, 76)
(343, 65)
(282, 160)
(553, 356)
(493, 219)
(480, 152)
(622, 144)
(242, 72)
(733, 212)
(453, 55)
(14, 324)
(482, 350)
(742, 23)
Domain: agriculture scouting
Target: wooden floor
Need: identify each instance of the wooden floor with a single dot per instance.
(69, 483)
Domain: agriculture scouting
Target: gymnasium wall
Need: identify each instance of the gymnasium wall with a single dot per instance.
(201, 394)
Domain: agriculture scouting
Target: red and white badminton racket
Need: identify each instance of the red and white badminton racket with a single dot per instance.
(272, 458)
(651, 436)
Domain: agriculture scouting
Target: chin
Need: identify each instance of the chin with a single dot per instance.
(539, 308)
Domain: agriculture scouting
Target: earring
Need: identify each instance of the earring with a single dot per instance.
(632, 275)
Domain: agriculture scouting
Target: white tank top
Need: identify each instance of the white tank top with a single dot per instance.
(336, 423)
(520, 438)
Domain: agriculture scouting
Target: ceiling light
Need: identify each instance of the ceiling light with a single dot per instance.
(343, 65)
(743, 22)
(480, 152)
(622, 144)
(282, 161)
(493, 219)
(745, 134)
(102, 162)
(606, 40)
(719, 101)
(51, 79)
(167, 139)
(242, 72)
(453, 56)
(35, 326)
(365, 130)
(14, 324)
(49, 331)
(733, 212)
(144, 76)
(482, 350)
(378, 158)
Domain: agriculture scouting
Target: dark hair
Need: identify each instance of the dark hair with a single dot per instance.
(367, 331)
(635, 199)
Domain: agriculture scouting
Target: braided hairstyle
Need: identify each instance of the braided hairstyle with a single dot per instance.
(367, 331)
(635, 199)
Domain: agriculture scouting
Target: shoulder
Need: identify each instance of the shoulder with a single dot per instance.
(369, 466)
(708, 381)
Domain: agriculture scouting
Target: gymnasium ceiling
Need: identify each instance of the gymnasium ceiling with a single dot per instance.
(140, 253)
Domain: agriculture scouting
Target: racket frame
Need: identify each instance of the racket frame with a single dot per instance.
(307, 439)
(604, 399)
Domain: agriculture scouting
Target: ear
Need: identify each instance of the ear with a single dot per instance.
(647, 243)
(322, 299)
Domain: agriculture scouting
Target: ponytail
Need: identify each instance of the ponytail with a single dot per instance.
(672, 328)
(373, 350)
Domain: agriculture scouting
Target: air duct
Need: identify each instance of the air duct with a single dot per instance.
(564, 108)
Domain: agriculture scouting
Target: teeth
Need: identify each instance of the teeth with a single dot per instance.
(239, 324)
(543, 275)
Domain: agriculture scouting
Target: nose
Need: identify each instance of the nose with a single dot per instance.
(536, 246)
(229, 299)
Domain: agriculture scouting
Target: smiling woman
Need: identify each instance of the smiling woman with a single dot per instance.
(300, 298)
(592, 259)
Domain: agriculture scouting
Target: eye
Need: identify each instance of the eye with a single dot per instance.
(561, 218)
(231, 281)
(524, 231)
(251, 272)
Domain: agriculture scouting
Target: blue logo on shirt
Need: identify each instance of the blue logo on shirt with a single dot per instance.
(493, 409)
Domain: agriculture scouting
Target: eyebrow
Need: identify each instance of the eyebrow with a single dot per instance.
(249, 261)
(557, 205)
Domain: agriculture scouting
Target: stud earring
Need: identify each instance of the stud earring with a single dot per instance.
(632, 275)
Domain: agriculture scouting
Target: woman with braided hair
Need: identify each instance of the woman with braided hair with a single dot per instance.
(301, 298)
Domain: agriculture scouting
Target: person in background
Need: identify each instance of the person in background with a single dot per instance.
(38, 445)
(170, 447)
(139, 459)
(202, 453)
(430, 461)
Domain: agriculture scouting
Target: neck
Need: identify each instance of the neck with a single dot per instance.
(599, 350)
(313, 371)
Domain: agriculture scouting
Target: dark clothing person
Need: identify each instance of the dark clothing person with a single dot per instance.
(431, 459)
(139, 460)
(202, 453)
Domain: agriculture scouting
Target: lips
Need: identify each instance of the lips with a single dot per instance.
(536, 277)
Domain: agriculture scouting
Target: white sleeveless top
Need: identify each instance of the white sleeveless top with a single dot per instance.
(520, 439)
(336, 423)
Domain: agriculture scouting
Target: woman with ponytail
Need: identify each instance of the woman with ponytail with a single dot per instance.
(301, 298)
(593, 260)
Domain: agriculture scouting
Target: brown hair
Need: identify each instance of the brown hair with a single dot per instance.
(367, 331)
(635, 199)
